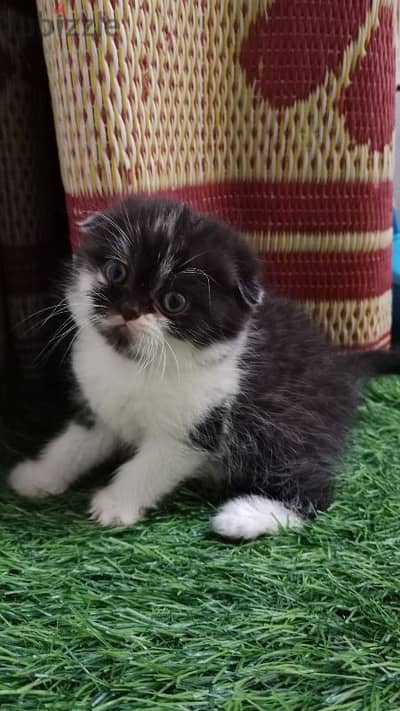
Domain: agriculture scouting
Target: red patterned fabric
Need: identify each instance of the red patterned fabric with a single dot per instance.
(274, 51)
(256, 206)
(367, 106)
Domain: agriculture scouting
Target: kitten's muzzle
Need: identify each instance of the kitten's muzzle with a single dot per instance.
(127, 320)
(134, 325)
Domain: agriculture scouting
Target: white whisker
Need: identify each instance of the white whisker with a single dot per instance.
(196, 256)
(55, 310)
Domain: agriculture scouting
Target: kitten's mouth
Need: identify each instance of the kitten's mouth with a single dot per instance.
(123, 331)
(120, 334)
(119, 326)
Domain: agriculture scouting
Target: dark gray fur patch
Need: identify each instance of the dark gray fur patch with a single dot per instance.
(208, 434)
(83, 414)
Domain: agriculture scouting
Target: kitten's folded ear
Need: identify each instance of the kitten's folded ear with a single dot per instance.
(251, 292)
(249, 282)
(90, 222)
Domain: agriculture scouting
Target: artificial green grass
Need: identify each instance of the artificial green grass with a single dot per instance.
(163, 616)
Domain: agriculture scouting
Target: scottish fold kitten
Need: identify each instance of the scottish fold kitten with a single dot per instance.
(185, 362)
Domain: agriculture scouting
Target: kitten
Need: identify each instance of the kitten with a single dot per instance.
(182, 359)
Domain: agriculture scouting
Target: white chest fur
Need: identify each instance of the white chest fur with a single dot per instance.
(137, 403)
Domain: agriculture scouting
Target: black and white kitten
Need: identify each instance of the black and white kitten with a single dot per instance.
(184, 360)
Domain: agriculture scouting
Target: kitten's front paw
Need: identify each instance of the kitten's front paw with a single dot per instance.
(30, 478)
(109, 507)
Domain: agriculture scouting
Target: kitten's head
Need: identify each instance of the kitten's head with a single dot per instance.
(154, 269)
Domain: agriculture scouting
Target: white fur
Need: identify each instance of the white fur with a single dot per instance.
(247, 517)
(154, 408)
(164, 399)
(151, 402)
(139, 484)
(64, 459)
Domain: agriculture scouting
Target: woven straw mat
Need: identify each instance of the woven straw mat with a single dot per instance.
(277, 116)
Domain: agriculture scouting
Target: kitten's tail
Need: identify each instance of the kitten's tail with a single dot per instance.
(247, 517)
(371, 364)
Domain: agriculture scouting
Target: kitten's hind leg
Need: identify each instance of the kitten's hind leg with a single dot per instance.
(247, 517)
(64, 459)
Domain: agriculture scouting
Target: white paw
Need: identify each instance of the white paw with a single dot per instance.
(30, 478)
(248, 517)
(109, 507)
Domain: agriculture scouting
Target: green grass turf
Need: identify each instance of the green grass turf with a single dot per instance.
(164, 617)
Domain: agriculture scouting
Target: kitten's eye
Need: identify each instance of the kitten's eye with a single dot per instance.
(174, 303)
(115, 271)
